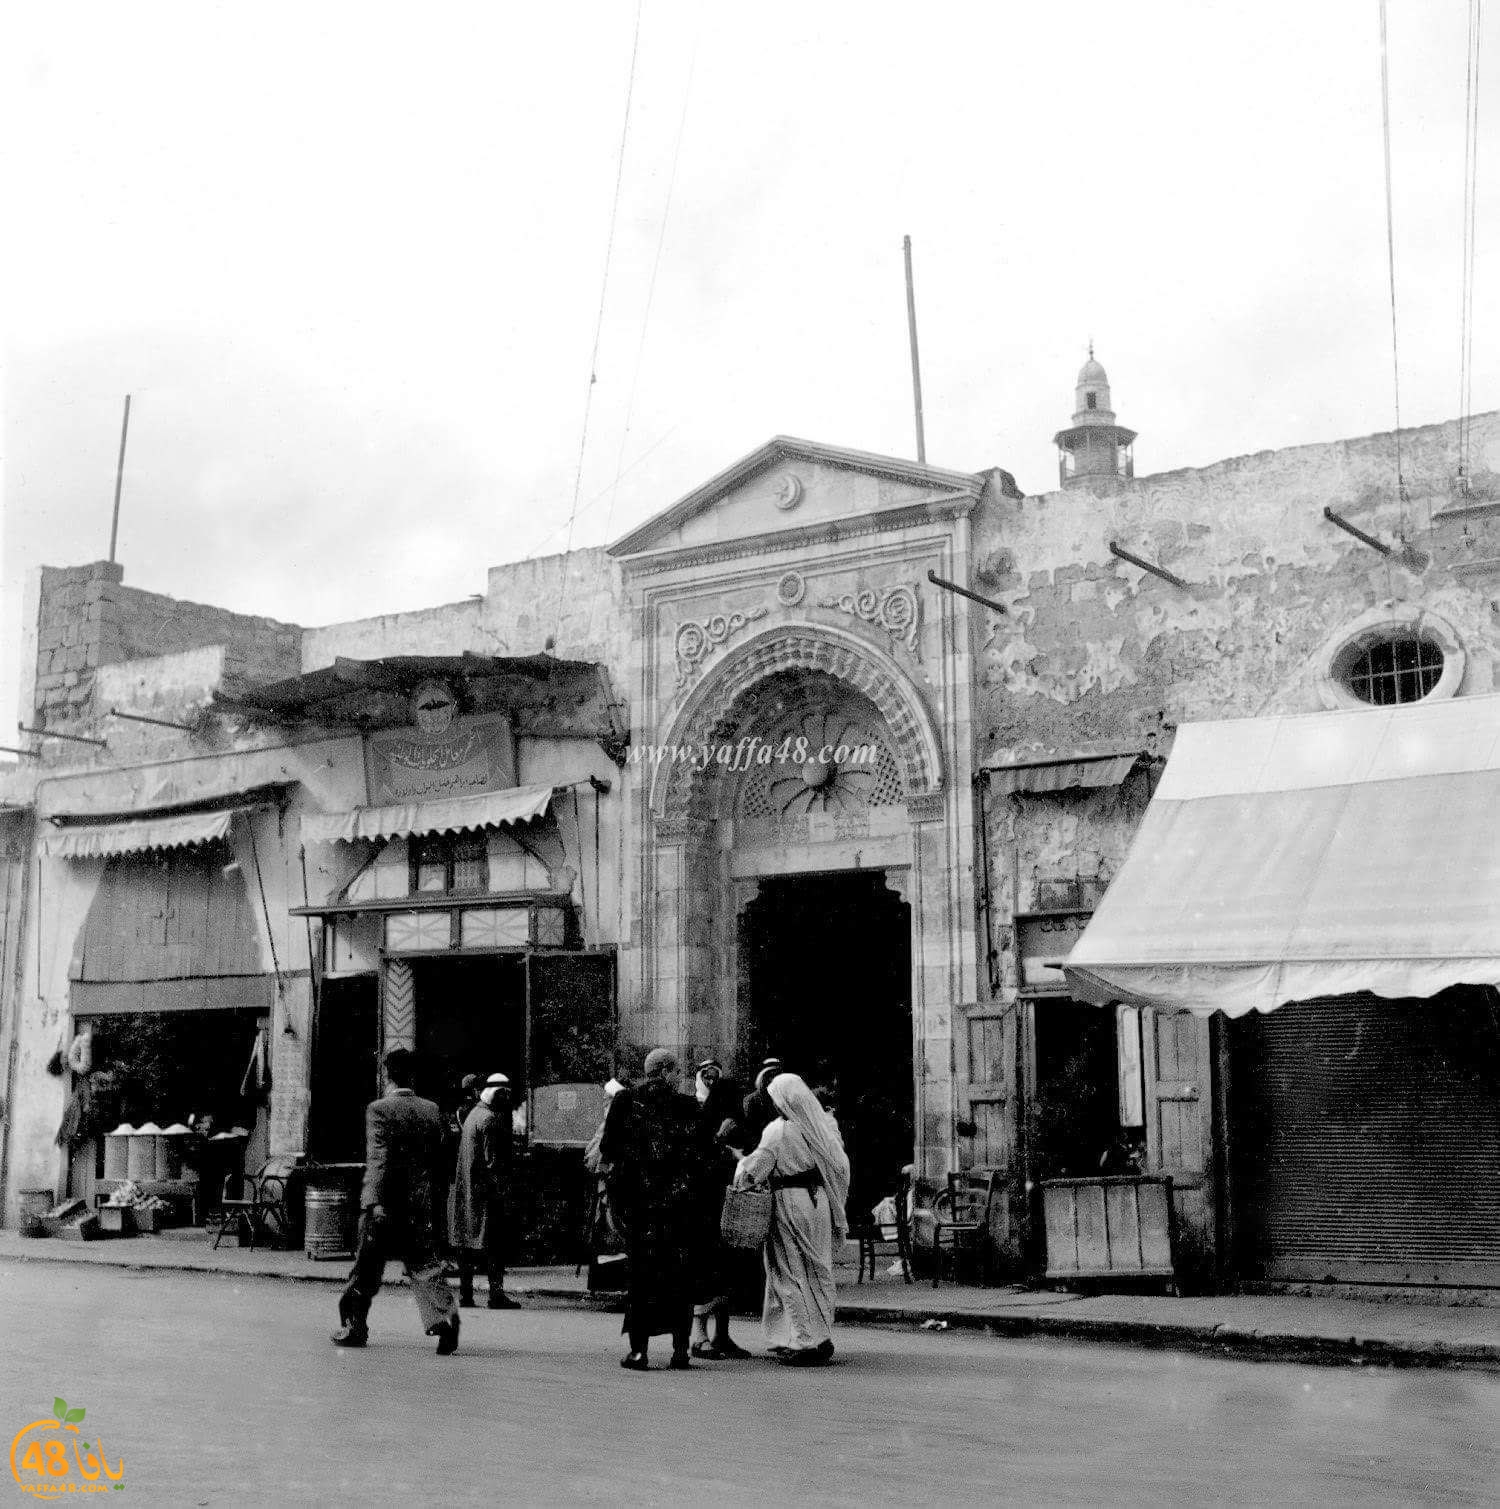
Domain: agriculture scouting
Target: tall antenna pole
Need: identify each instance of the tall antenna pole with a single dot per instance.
(916, 366)
(114, 523)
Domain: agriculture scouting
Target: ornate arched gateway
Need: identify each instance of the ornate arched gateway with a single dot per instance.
(805, 826)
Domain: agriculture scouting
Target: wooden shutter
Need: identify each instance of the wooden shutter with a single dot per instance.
(1176, 1066)
(986, 1087)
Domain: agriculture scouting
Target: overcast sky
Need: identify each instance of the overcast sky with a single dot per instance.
(349, 260)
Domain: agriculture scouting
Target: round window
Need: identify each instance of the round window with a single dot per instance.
(1395, 668)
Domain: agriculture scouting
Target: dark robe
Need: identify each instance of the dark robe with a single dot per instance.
(652, 1143)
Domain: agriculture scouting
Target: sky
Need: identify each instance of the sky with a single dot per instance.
(393, 305)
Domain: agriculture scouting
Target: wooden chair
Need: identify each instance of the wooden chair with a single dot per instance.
(872, 1236)
(259, 1212)
(961, 1216)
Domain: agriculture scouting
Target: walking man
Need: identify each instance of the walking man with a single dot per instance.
(651, 1141)
(481, 1186)
(403, 1150)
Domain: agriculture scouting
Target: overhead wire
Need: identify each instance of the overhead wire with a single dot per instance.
(1390, 246)
(661, 237)
(1471, 197)
(609, 248)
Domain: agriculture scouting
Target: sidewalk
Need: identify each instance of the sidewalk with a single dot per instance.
(1275, 1327)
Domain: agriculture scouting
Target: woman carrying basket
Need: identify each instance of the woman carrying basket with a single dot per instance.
(801, 1159)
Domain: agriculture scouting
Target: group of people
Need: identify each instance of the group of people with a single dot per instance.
(666, 1160)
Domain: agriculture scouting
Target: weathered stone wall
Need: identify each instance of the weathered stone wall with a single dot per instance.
(1094, 649)
(448, 629)
(88, 618)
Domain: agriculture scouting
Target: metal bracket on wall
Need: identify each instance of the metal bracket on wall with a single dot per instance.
(1155, 570)
(947, 586)
(1404, 554)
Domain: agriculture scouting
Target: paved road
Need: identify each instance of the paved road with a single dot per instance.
(220, 1391)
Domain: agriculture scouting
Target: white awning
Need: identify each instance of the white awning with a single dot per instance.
(492, 809)
(1287, 858)
(98, 840)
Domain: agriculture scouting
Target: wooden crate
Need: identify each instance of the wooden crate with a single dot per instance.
(1109, 1228)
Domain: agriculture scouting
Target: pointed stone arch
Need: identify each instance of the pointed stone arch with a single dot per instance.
(800, 647)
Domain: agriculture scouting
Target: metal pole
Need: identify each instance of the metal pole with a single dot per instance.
(47, 733)
(916, 366)
(114, 523)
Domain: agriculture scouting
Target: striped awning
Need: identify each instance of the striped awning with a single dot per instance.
(492, 809)
(100, 840)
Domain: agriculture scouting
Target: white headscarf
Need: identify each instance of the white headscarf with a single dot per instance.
(791, 1096)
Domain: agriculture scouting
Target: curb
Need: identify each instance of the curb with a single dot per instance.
(1219, 1340)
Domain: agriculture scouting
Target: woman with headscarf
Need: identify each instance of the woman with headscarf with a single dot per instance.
(801, 1159)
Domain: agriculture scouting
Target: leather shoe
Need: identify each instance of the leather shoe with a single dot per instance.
(679, 1362)
(635, 1361)
(501, 1302)
(350, 1334)
(447, 1337)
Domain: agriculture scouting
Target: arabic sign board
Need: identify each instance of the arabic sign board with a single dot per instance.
(1043, 941)
(465, 758)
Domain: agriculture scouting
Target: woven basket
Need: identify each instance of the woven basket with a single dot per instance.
(745, 1220)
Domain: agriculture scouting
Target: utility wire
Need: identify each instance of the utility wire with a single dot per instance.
(1471, 197)
(661, 238)
(609, 248)
(1390, 247)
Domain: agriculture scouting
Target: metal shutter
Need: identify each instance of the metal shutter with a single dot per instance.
(1366, 1141)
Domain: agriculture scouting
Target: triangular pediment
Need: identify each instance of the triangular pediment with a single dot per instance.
(787, 485)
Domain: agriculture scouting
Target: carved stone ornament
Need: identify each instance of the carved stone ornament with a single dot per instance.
(698, 639)
(786, 491)
(897, 610)
(791, 589)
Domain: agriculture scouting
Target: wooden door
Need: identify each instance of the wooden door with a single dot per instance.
(1176, 1065)
(986, 1087)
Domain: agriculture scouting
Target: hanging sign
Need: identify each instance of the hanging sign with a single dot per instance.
(461, 758)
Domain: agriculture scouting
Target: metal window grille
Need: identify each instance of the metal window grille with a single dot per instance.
(1396, 671)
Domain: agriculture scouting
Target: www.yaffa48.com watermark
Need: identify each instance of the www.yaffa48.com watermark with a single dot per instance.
(752, 750)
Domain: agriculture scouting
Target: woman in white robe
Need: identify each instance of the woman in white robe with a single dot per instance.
(801, 1158)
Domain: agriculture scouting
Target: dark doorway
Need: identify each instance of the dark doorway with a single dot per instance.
(471, 1019)
(344, 1077)
(1075, 1118)
(828, 959)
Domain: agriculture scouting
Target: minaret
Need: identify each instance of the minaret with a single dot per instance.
(1094, 446)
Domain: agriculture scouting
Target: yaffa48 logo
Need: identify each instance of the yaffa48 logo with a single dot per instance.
(41, 1462)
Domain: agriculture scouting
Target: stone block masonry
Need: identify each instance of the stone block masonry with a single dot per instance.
(87, 618)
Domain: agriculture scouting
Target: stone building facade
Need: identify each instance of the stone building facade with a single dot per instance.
(877, 915)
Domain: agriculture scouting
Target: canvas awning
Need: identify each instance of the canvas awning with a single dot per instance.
(177, 831)
(492, 809)
(1062, 772)
(1289, 858)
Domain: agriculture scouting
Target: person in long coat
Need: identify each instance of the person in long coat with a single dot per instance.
(481, 1190)
(652, 1144)
(403, 1156)
(801, 1159)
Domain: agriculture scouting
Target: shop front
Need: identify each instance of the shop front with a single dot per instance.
(166, 1049)
(1317, 897)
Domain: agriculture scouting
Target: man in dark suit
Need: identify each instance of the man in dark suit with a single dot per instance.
(403, 1156)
